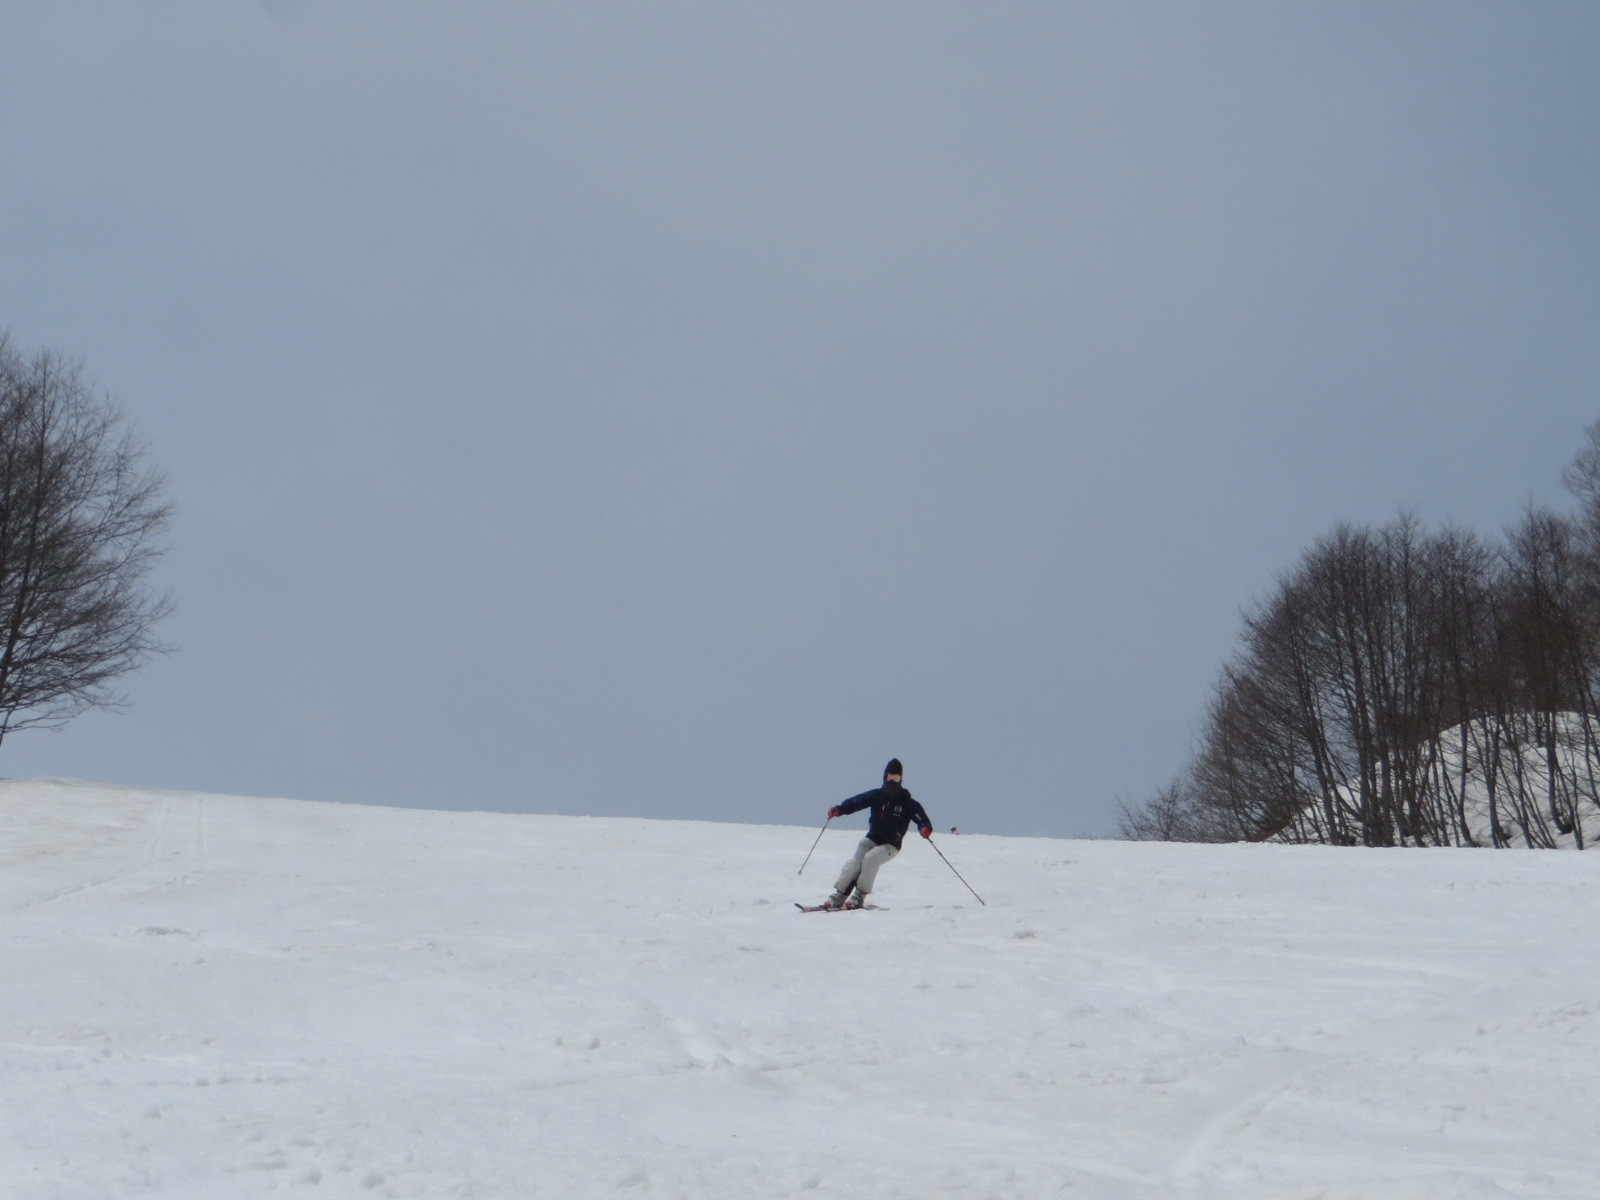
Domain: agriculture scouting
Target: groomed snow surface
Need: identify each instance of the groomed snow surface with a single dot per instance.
(209, 997)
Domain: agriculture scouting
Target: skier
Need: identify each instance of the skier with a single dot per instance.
(893, 809)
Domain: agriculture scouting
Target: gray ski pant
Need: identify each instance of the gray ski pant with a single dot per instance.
(861, 871)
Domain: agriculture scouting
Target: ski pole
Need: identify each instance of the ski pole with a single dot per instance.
(947, 863)
(809, 853)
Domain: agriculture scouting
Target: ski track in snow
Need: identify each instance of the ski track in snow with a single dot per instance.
(154, 850)
(215, 997)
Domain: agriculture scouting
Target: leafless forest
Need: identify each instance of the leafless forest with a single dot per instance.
(1410, 686)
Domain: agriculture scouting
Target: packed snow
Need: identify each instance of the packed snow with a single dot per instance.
(211, 997)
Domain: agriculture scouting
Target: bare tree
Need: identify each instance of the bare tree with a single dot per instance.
(1553, 659)
(1463, 625)
(81, 517)
(1402, 687)
(1176, 813)
(1341, 718)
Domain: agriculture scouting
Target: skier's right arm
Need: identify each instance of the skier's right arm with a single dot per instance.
(854, 804)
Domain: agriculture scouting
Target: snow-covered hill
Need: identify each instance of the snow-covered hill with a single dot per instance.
(1488, 783)
(209, 997)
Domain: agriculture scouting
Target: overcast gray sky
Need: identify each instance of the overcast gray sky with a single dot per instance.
(679, 409)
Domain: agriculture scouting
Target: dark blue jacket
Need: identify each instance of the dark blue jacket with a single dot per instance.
(893, 810)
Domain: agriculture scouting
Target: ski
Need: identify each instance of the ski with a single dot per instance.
(825, 908)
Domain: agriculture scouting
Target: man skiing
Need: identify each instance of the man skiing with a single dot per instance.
(893, 810)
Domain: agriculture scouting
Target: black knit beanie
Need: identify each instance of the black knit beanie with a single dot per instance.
(894, 768)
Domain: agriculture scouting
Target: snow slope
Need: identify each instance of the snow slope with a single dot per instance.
(209, 997)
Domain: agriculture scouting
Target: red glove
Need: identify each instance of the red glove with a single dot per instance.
(927, 831)
(835, 811)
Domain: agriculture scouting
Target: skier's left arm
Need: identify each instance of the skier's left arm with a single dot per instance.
(920, 816)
